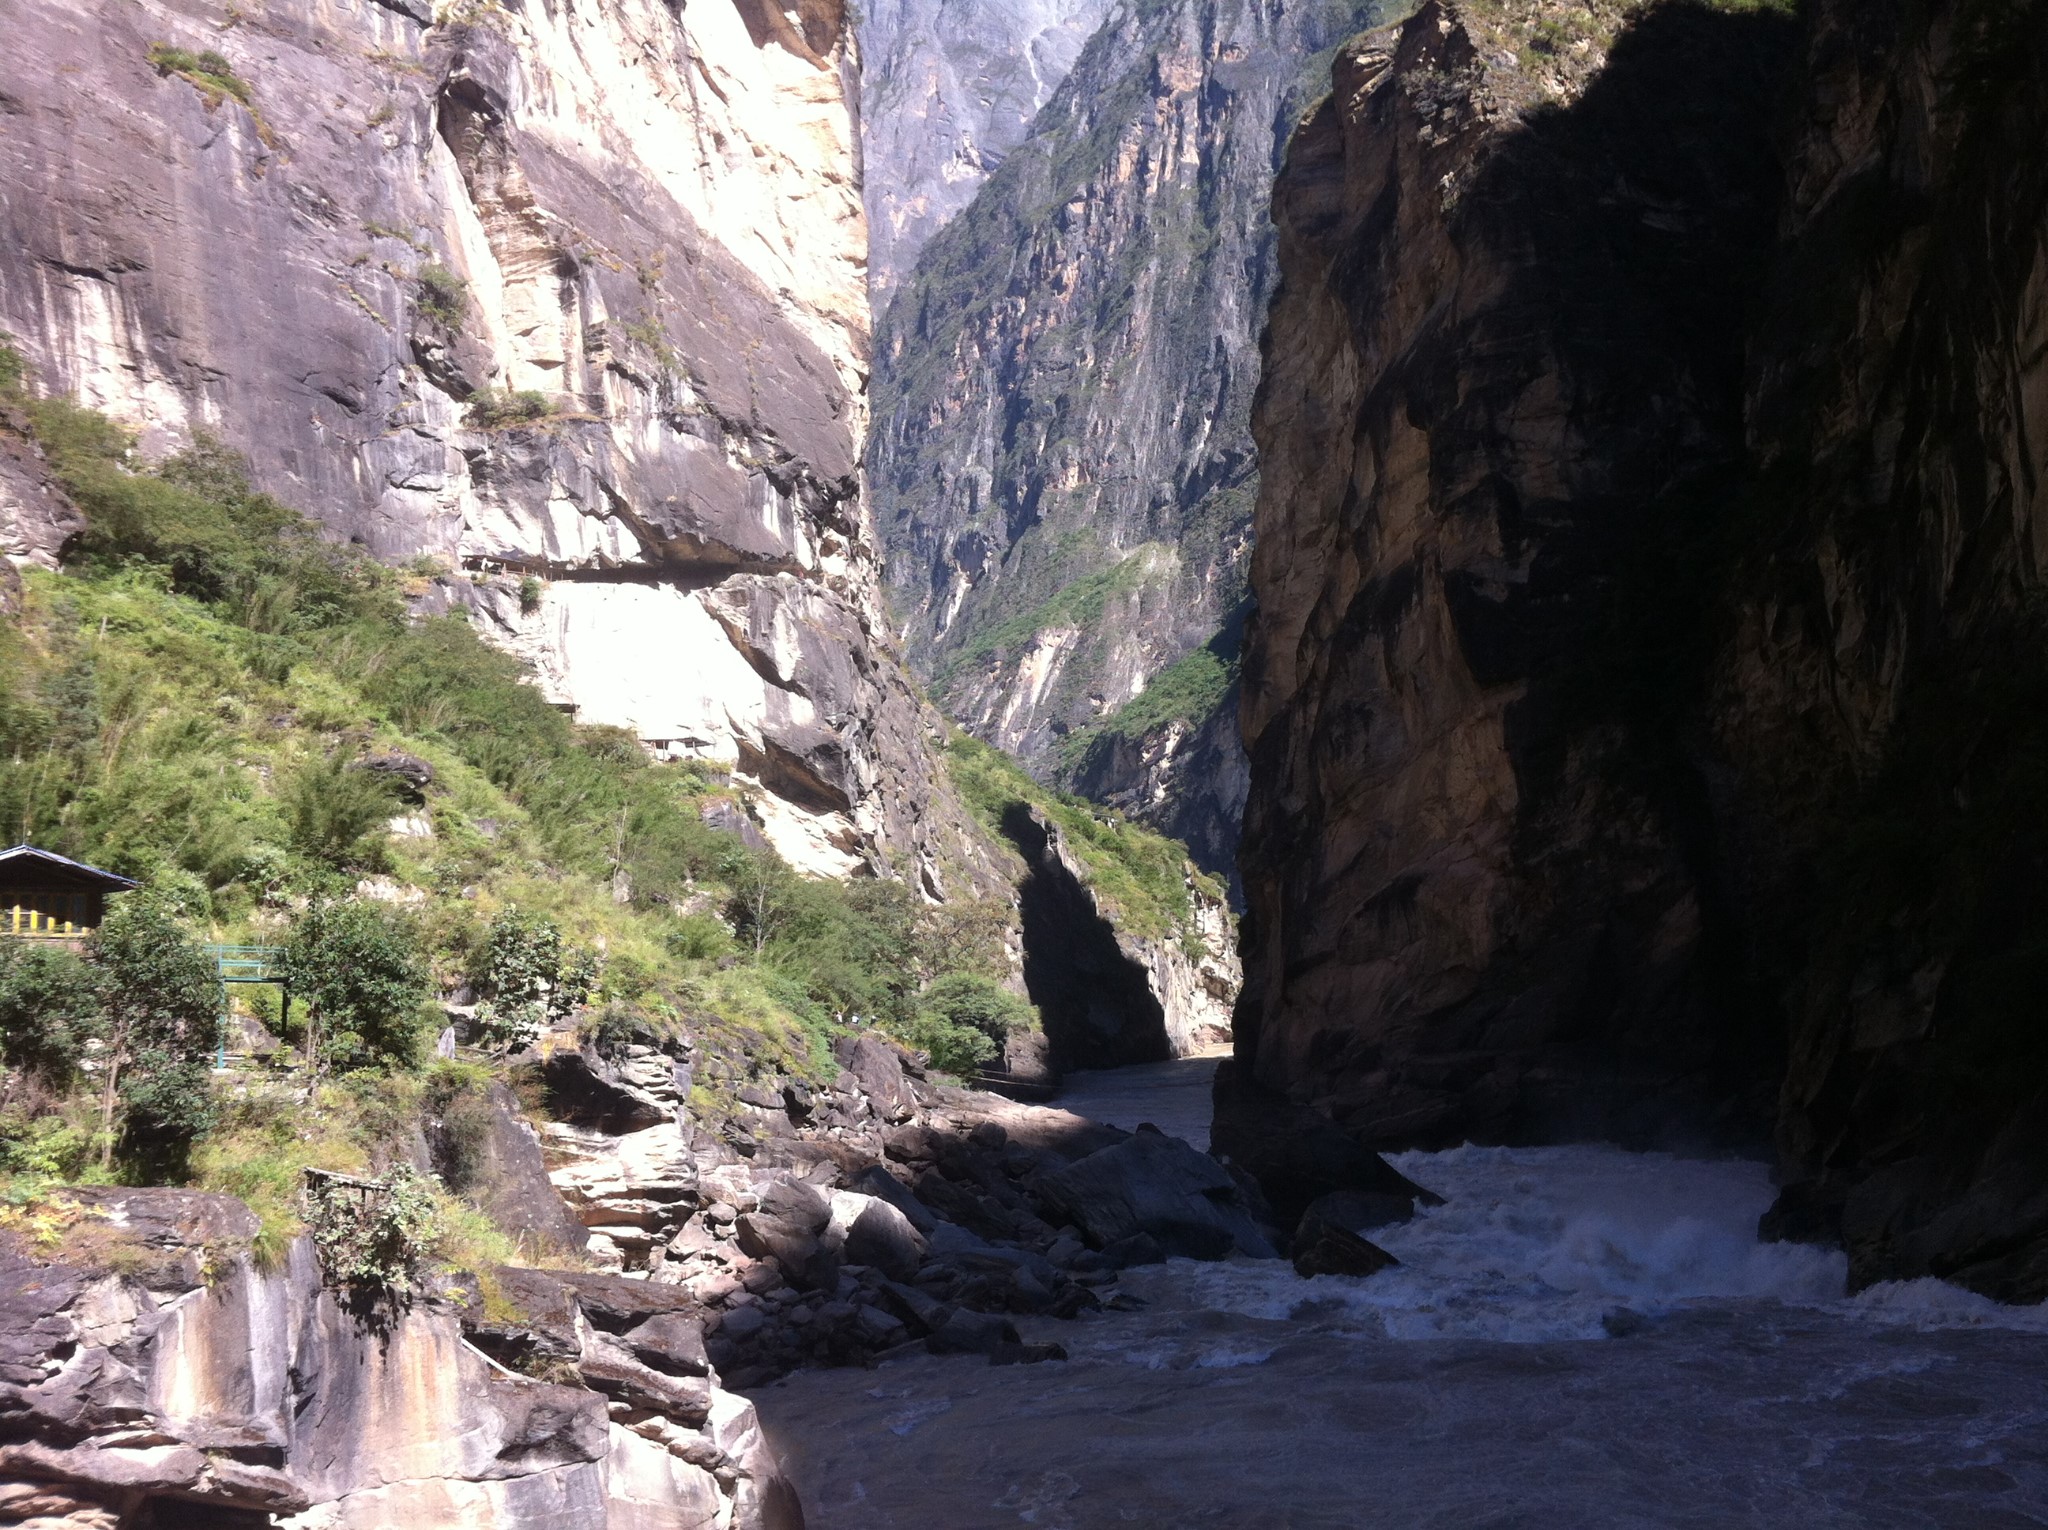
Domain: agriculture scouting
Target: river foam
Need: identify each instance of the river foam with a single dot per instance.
(1579, 1242)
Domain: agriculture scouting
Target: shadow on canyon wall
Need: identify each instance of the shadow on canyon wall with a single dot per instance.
(1097, 1002)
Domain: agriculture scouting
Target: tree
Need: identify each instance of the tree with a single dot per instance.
(365, 978)
(51, 1006)
(963, 1020)
(764, 894)
(163, 1001)
(526, 977)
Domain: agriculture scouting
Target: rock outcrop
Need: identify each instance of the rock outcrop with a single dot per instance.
(566, 303)
(1641, 691)
(1061, 465)
(37, 519)
(1110, 997)
(810, 1223)
(948, 88)
(157, 1376)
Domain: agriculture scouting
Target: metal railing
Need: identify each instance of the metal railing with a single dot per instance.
(248, 964)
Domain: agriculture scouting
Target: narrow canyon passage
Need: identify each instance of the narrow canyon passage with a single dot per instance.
(1580, 1336)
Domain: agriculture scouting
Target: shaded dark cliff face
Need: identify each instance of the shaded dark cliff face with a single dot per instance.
(1641, 700)
(1062, 465)
(1099, 1009)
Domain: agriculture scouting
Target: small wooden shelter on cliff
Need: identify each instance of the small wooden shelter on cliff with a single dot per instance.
(48, 896)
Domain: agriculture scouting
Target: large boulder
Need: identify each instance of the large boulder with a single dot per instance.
(868, 1230)
(790, 1227)
(1325, 1245)
(1295, 1152)
(1158, 1185)
(878, 1067)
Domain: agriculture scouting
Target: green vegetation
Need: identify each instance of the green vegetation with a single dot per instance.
(1141, 877)
(377, 1240)
(364, 977)
(495, 408)
(443, 294)
(1078, 604)
(190, 702)
(1186, 691)
(137, 1013)
(963, 1019)
(214, 76)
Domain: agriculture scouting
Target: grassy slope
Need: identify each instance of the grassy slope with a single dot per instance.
(186, 703)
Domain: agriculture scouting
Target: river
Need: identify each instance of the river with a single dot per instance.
(1580, 1337)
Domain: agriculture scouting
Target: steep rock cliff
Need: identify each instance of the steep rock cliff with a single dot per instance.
(1108, 998)
(567, 301)
(1061, 466)
(1641, 700)
(189, 1386)
(948, 88)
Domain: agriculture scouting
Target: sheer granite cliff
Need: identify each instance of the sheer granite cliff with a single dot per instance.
(948, 88)
(568, 302)
(1644, 697)
(1062, 465)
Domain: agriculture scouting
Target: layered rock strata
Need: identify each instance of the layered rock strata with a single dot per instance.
(1640, 692)
(1062, 465)
(823, 1225)
(187, 1385)
(564, 303)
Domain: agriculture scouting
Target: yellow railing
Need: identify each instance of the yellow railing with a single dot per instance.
(34, 923)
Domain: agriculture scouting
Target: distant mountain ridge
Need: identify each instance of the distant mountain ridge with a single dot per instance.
(1061, 464)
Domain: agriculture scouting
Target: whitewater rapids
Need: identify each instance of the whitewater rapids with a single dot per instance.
(1580, 1337)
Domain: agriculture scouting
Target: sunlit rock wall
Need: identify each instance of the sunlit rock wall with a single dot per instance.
(655, 216)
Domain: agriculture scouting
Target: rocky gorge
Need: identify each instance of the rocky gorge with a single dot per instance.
(1649, 458)
(1632, 1109)
(1062, 467)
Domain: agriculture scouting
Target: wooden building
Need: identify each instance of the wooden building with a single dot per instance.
(49, 896)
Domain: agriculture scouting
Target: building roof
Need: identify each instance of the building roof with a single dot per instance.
(26, 857)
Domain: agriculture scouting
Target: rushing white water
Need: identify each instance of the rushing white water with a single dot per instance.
(1536, 1244)
(1579, 1336)
(1533, 1244)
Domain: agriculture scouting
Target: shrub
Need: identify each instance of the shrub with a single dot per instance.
(50, 1007)
(527, 977)
(492, 408)
(339, 815)
(365, 978)
(209, 71)
(374, 1239)
(444, 295)
(529, 594)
